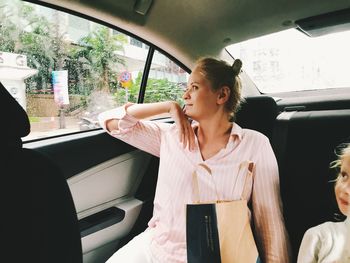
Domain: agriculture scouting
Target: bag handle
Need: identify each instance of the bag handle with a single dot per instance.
(250, 167)
(195, 185)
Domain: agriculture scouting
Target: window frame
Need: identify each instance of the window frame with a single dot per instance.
(149, 59)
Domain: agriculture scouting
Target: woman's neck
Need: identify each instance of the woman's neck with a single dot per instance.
(213, 129)
(213, 136)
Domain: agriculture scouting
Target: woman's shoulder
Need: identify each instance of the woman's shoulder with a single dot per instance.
(245, 132)
(253, 135)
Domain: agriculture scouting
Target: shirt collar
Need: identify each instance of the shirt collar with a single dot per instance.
(235, 131)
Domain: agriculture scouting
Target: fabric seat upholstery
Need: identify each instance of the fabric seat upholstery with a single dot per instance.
(40, 209)
(305, 144)
(258, 113)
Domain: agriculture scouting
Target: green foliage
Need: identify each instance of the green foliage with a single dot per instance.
(156, 90)
(163, 89)
(97, 54)
(24, 31)
(7, 42)
(93, 64)
(33, 119)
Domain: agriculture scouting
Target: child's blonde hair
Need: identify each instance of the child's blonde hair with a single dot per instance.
(344, 151)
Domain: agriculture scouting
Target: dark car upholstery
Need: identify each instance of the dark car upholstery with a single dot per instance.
(305, 143)
(258, 113)
(40, 207)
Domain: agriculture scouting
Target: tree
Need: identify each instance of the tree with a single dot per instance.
(24, 31)
(93, 63)
(100, 49)
(7, 28)
(156, 90)
(37, 44)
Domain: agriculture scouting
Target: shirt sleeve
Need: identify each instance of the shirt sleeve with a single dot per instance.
(310, 247)
(144, 135)
(269, 228)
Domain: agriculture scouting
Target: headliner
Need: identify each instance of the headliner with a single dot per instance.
(188, 29)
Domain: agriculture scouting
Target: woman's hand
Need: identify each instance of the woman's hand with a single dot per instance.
(145, 110)
(186, 133)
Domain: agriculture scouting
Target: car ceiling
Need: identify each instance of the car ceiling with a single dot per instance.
(188, 29)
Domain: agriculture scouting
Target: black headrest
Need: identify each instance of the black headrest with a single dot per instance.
(258, 113)
(15, 122)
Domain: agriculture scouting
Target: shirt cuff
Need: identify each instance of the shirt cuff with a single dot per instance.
(126, 121)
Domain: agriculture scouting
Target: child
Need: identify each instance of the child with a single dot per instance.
(328, 242)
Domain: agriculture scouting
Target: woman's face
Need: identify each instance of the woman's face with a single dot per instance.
(200, 99)
(342, 187)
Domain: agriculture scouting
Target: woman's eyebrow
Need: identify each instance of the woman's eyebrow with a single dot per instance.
(194, 82)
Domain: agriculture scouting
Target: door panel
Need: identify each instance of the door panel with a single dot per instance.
(108, 181)
(100, 245)
(78, 152)
(104, 175)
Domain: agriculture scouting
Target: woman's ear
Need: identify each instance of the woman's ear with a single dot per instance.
(223, 95)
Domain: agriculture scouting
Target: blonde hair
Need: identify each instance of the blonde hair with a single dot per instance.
(344, 151)
(220, 73)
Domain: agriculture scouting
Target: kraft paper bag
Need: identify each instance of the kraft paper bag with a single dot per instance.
(220, 231)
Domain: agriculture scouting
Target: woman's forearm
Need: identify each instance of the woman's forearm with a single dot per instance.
(146, 110)
(143, 111)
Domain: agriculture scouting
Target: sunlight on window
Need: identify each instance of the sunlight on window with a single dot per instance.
(291, 61)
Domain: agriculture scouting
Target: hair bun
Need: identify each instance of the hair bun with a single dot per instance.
(237, 66)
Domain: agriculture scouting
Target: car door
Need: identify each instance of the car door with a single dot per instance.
(104, 175)
(63, 87)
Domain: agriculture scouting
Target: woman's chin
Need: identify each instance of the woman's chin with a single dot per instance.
(189, 115)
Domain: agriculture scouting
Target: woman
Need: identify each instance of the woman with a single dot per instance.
(212, 96)
(329, 242)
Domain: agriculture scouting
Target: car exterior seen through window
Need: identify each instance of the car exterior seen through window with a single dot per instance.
(64, 70)
(291, 61)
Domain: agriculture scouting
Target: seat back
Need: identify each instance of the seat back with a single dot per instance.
(304, 143)
(258, 113)
(40, 207)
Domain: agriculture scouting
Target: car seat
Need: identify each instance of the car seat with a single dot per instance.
(40, 217)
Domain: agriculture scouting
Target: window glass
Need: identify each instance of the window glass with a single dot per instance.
(291, 61)
(77, 28)
(135, 42)
(166, 81)
(65, 70)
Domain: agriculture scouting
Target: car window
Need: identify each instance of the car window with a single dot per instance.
(64, 70)
(166, 81)
(291, 61)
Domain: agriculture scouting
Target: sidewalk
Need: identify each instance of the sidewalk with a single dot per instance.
(50, 126)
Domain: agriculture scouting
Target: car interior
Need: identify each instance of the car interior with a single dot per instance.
(91, 193)
(51, 214)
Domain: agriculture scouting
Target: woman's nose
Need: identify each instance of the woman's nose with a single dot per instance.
(186, 95)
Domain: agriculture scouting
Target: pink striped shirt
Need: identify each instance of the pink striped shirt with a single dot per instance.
(174, 186)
